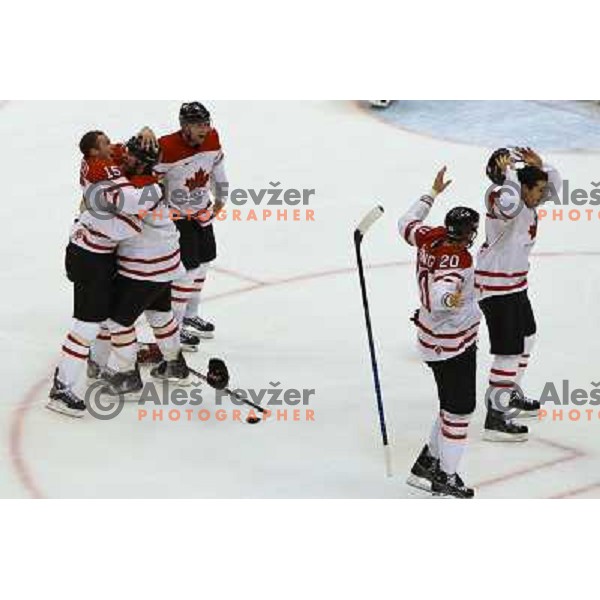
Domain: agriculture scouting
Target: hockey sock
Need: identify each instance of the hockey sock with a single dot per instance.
(502, 381)
(181, 292)
(453, 440)
(75, 351)
(434, 438)
(100, 349)
(124, 349)
(166, 332)
(193, 304)
(524, 358)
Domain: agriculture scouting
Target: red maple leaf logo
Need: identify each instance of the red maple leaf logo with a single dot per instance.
(199, 180)
(533, 228)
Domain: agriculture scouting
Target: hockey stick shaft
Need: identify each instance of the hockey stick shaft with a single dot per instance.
(359, 233)
(229, 392)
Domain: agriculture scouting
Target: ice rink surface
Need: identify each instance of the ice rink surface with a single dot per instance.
(550, 125)
(285, 300)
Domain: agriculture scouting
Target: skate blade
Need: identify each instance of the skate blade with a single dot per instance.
(443, 496)
(499, 436)
(420, 483)
(177, 382)
(59, 407)
(203, 335)
(189, 348)
(527, 414)
(448, 496)
(127, 397)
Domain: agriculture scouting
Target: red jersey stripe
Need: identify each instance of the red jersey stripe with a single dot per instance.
(445, 336)
(501, 288)
(149, 273)
(129, 222)
(501, 274)
(449, 348)
(148, 261)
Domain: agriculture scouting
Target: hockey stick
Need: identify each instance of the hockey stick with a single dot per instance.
(359, 234)
(229, 392)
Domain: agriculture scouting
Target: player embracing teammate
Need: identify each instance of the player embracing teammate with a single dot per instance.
(447, 324)
(109, 217)
(522, 181)
(122, 258)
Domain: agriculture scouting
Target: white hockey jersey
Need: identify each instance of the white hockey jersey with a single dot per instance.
(153, 254)
(510, 231)
(442, 269)
(190, 172)
(111, 205)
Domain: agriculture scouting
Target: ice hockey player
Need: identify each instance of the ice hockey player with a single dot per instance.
(501, 282)
(147, 263)
(193, 165)
(447, 324)
(109, 208)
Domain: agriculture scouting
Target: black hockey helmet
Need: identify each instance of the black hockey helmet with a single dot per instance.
(146, 155)
(492, 170)
(193, 112)
(461, 224)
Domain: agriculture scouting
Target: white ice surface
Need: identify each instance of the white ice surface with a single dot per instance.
(305, 333)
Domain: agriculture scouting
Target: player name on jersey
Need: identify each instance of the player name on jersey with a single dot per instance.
(442, 270)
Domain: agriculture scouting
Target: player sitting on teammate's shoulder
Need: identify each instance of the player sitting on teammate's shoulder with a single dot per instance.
(522, 181)
(447, 323)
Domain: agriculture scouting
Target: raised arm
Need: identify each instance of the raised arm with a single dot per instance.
(410, 224)
(530, 157)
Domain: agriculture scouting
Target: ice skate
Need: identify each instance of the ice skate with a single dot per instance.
(95, 371)
(423, 471)
(174, 371)
(200, 327)
(189, 342)
(63, 400)
(450, 486)
(498, 428)
(527, 408)
(127, 384)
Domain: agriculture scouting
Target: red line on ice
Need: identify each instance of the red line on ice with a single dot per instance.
(570, 454)
(577, 491)
(17, 427)
(18, 416)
